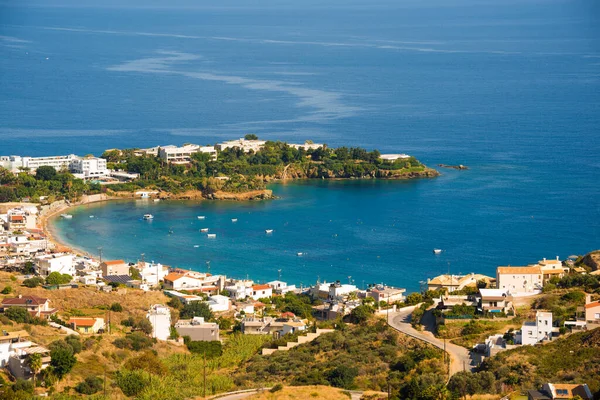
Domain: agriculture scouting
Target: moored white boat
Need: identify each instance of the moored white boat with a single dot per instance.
(233, 219)
(437, 251)
(156, 200)
(66, 216)
(268, 231)
(211, 235)
(148, 217)
(300, 254)
(204, 230)
(201, 217)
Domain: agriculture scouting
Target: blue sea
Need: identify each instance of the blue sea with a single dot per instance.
(510, 89)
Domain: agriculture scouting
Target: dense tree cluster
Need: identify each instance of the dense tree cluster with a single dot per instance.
(46, 182)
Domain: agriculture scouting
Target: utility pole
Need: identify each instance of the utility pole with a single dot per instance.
(100, 251)
(279, 274)
(208, 266)
(142, 257)
(204, 386)
(349, 280)
(104, 382)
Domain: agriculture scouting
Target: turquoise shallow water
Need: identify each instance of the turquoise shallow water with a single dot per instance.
(511, 89)
(371, 231)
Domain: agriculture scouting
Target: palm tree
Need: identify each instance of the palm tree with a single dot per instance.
(35, 364)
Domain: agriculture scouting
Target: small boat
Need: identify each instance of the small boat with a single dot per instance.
(233, 219)
(66, 216)
(204, 230)
(156, 200)
(268, 231)
(148, 217)
(196, 245)
(201, 217)
(300, 254)
(91, 216)
(437, 251)
(211, 235)
(171, 231)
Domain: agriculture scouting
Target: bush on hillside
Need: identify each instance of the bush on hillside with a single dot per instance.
(91, 385)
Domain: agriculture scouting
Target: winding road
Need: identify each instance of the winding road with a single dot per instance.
(459, 356)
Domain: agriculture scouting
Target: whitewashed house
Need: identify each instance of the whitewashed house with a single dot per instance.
(218, 303)
(519, 280)
(160, 318)
(536, 331)
(261, 291)
(61, 263)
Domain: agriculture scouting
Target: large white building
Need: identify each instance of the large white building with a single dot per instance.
(183, 155)
(160, 318)
(179, 279)
(14, 163)
(306, 146)
(81, 167)
(61, 263)
(517, 280)
(537, 331)
(242, 144)
(89, 168)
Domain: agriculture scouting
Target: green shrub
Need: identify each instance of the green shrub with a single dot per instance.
(7, 289)
(342, 376)
(131, 382)
(33, 282)
(62, 361)
(148, 362)
(116, 307)
(196, 309)
(56, 278)
(276, 388)
(134, 341)
(212, 349)
(91, 385)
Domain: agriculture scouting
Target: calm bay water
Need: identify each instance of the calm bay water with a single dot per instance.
(512, 90)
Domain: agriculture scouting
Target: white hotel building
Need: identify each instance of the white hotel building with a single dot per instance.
(81, 167)
(183, 155)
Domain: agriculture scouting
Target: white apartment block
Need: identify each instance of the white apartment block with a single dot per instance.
(88, 168)
(535, 332)
(13, 163)
(184, 154)
(160, 318)
(83, 168)
(306, 146)
(61, 263)
(517, 280)
(245, 145)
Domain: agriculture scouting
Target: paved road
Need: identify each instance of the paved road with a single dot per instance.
(459, 356)
(68, 331)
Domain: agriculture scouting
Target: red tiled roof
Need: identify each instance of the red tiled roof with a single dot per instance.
(24, 300)
(15, 218)
(261, 287)
(519, 270)
(593, 304)
(82, 321)
(173, 276)
(114, 262)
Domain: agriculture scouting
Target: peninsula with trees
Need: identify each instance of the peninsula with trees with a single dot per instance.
(237, 169)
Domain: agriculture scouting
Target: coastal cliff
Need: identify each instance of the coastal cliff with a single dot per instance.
(264, 194)
(320, 171)
(592, 260)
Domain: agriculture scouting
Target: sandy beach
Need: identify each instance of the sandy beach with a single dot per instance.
(45, 222)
